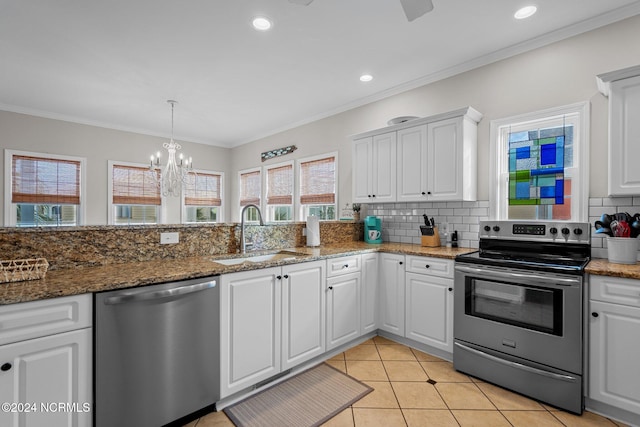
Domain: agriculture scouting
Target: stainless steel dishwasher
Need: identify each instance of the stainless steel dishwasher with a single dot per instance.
(156, 352)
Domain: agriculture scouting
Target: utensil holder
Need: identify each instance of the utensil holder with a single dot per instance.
(431, 241)
(622, 250)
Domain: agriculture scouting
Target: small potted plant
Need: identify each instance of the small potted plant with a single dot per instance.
(356, 211)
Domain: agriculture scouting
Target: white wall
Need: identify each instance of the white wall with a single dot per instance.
(98, 146)
(559, 74)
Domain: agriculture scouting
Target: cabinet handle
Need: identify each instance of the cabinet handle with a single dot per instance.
(428, 192)
(286, 276)
(345, 266)
(279, 277)
(368, 195)
(374, 195)
(450, 289)
(594, 314)
(400, 263)
(423, 193)
(330, 288)
(5, 367)
(427, 266)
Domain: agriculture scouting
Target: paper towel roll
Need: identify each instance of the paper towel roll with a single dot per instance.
(313, 231)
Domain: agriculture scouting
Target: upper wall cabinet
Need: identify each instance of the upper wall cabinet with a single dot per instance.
(433, 159)
(623, 89)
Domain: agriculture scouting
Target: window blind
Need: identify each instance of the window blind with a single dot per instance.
(135, 186)
(318, 181)
(203, 190)
(250, 188)
(280, 185)
(45, 180)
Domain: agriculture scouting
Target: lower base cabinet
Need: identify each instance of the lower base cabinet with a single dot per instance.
(343, 309)
(614, 342)
(270, 320)
(46, 380)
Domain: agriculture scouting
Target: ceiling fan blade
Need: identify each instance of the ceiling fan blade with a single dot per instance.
(302, 2)
(415, 8)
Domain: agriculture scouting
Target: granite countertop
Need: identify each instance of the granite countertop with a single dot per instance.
(603, 267)
(74, 281)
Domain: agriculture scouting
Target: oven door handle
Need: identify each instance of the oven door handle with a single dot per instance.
(542, 279)
(517, 365)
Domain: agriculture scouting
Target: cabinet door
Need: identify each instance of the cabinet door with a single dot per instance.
(444, 160)
(384, 168)
(303, 312)
(429, 306)
(614, 352)
(369, 294)
(391, 289)
(412, 164)
(362, 170)
(624, 134)
(343, 309)
(249, 328)
(44, 372)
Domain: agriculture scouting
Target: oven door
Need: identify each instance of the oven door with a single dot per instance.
(529, 314)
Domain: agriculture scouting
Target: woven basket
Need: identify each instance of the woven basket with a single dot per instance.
(23, 269)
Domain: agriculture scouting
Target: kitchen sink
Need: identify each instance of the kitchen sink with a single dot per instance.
(275, 256)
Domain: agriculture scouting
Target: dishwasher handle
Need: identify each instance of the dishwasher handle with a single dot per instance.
(154, 295)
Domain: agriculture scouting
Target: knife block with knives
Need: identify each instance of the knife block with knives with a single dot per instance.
(429, 231)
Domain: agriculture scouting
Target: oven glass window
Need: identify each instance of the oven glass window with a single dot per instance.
(529, 307)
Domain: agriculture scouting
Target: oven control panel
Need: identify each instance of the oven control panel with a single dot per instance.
(569, 232)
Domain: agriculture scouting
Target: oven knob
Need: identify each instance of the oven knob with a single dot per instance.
(496, 228)
(577, 231)
(487, 228)
(566, 231)
(553, 230)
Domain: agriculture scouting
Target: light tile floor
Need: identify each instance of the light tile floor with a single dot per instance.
(415, 389)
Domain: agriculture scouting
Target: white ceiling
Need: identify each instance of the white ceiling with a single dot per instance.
(114, 63)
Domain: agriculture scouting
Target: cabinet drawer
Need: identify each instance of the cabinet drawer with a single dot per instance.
(35, 319)
(617, 290)
(432, 266)
(343, 265)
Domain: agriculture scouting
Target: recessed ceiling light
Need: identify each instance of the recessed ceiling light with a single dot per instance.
(525, 12)
(261, 23)
(366, 78)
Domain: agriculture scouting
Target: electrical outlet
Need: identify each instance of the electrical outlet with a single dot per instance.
(168, 238)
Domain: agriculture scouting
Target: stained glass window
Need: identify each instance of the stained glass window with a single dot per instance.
(537, 165)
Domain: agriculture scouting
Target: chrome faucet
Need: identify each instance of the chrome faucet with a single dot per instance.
(243, 244)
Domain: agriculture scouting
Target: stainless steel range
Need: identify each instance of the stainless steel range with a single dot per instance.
(518, 309)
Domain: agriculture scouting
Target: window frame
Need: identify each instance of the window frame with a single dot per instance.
(302, 209)
(261, 204)
(265, 192)
(10, 216)
(220, 214)
(111, 206)
(498, 173)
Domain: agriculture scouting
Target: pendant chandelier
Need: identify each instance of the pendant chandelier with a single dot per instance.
(175, 174)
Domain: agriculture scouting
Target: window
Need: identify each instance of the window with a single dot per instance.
(539, 165)
(279, 188)
(135, 194)
(250, 190)
(203, 197)
(318, 187)
(45, 189)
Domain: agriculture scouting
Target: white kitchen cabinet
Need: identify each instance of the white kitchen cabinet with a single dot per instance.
(436, 159)
(374, 169)
(429, 304)
(614, 342)
(623, 89)
(250, 315)
(391, 288)
(39, 369)
(343, 309)
(369, 294)
(303, 312)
